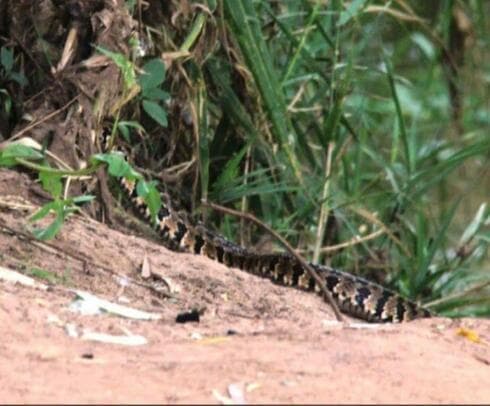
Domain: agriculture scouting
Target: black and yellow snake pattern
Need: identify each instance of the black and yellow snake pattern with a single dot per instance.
(354, 295)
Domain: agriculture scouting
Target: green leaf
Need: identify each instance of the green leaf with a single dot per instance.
(19, 78)
(259, 184)
(117, 165)
(230, 171)
(50, 232)
(424, 44)
(7, 101)
(409, 158)
(230, 102)
(131, 124)
(51, 183)
(151, 196)
(124, 130)
(7, 162)
(15, 150)
(332, 121)
(43, 211)
(131, 4)
(484, 237)
(430, 249)
(123, 63)
(7, 58)
(52, 229)
(352, 10)
(203, 138)
(124, 126)
(61, 208)
(43, 274)
(156, 94)
(83, 199)
(153, 75)
(475, 225)
(425, 178)
(156, 112)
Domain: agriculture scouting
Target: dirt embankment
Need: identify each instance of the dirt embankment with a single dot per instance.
(255, 341)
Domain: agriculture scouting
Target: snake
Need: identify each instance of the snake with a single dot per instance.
(354, 295)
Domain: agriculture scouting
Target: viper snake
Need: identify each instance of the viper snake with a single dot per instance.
(354, 296)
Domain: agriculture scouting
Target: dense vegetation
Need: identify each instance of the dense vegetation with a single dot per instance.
(358, 130)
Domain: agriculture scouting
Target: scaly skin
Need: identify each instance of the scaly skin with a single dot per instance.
(354, 295)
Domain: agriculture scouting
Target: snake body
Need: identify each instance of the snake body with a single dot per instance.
(354, 295)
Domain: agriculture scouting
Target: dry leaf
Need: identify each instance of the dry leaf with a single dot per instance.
(235, 390)
(124, 311)
(145, 268)
(224, 400)
(471, 335)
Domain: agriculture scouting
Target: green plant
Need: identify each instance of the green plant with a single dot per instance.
(152, 95)
(50, 277)
(339, 81)
(8, 74)
(149, 81)
(337, 123)
(43, 274)
(52, 181)
(131, 4)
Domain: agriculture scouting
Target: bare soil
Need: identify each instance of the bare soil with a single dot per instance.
(255, 342)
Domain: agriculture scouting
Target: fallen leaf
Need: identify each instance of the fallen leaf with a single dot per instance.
(252, 386)
(471, 335)
(145, 267)
(120, 310)
(235, 390)
(196, 336)
(224, 400)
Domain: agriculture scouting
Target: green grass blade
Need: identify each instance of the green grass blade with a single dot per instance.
(244, 24)
(409, 161)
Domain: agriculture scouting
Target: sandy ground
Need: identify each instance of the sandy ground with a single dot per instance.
(255, 342)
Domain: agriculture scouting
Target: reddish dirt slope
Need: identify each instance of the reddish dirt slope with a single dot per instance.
(284, 346)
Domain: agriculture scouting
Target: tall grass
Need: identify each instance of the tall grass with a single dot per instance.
(362, 83)
(355, 129)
